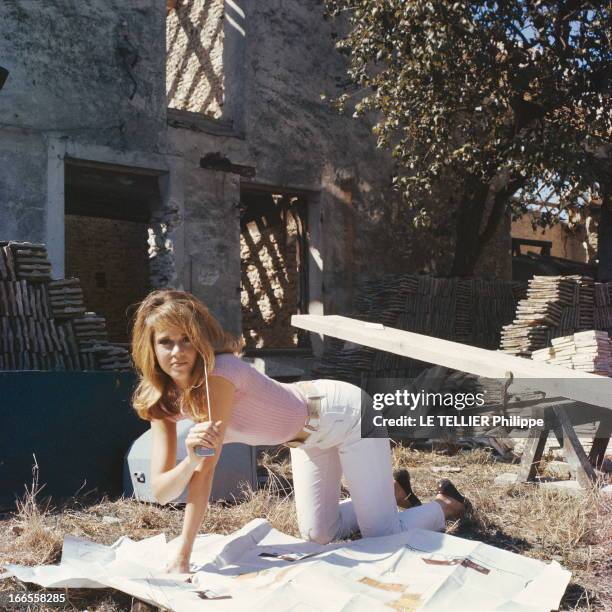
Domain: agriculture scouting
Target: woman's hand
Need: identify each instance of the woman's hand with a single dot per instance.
(205, 434)
(178, 564)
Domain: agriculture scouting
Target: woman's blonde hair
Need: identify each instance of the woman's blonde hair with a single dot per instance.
(156, 396)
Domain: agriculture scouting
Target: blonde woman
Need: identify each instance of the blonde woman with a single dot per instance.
(186, 362)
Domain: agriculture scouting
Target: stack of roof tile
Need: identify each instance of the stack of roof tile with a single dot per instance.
(470, 311)
(557, 306)
(589, 351)
(44, 324)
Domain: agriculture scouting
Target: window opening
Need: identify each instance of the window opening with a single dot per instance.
(273, 250)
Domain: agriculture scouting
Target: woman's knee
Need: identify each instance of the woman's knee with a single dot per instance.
(317, 534)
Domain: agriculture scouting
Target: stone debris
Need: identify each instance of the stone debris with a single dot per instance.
(443, 469)
(44, 324)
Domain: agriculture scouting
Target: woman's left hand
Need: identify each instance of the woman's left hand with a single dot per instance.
(205, 434)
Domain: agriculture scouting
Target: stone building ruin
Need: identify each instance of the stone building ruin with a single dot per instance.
(190, 147)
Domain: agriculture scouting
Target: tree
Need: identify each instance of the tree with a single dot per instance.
(496, 99)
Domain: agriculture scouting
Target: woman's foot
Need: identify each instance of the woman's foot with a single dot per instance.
(404, 496)
(453, 504)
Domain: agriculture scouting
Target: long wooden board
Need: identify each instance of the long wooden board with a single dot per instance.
(553, 380)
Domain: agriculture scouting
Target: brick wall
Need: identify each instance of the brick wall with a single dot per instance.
(194, 56)
(110, 257)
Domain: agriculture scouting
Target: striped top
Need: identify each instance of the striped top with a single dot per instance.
(265, 412)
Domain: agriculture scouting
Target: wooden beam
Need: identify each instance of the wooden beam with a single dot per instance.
(553, 380)
(532, 455)
(573, 452)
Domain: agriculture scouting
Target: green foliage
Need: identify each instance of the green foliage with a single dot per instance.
(493, 98)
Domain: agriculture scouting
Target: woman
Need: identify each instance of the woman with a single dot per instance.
(187, 362)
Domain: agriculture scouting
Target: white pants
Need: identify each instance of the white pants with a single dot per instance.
(337, 448)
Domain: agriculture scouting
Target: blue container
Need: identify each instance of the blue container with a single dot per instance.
(79, 425)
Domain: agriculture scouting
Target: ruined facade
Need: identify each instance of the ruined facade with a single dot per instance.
(178, 121)
(83, 138)
(574, 238)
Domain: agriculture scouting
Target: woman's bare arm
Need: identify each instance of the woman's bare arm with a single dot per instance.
(168, 479)
(221, 399)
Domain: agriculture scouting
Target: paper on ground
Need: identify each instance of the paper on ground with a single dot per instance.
(258, 568)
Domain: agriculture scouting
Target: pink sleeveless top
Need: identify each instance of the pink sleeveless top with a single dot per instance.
(265, 412)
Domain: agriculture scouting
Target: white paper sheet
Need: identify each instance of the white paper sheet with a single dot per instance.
(260, 569)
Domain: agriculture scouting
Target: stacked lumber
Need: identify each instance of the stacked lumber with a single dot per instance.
(44, 324)
(555, 307)
(471, 311)
(589, 351)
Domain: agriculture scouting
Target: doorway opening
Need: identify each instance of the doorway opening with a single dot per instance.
(274, 256)
(107, 218)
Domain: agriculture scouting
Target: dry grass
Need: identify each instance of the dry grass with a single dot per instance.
(576, 532)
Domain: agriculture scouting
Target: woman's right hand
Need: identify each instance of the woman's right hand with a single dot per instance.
(178, 564)
(202, 434)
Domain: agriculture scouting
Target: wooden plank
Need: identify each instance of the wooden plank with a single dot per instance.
(600, 443)
(532, 455)
(554, 380)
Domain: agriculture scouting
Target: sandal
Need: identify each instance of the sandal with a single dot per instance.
(448, 489)
(402, 477)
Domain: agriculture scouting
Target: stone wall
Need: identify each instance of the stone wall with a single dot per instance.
(577, 242)
(262, 69)
(111, 92)
(208, 251)
(194, 60)
(110, 258)
(23, 166)
(88, 72)
(294, 141)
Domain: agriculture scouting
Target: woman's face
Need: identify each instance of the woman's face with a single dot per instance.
(175, 354)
